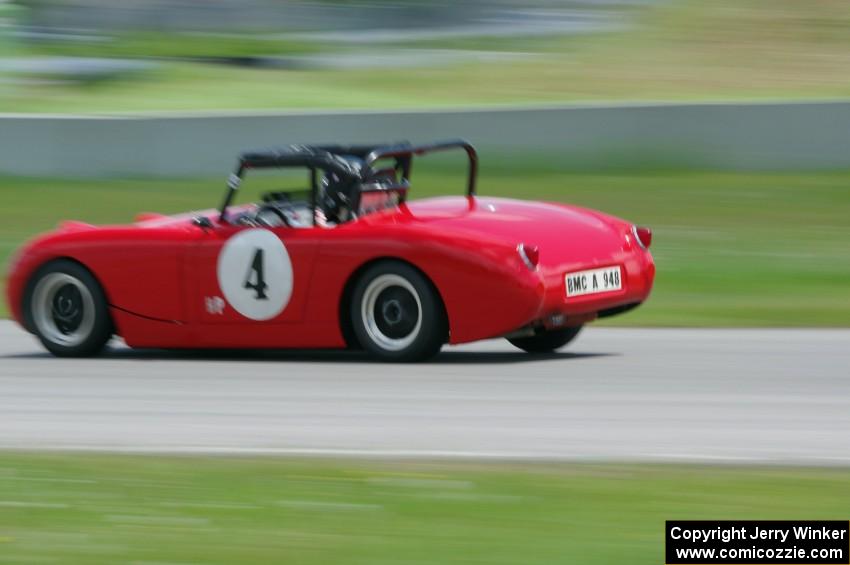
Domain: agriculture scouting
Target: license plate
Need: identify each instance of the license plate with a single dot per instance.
(593, 281)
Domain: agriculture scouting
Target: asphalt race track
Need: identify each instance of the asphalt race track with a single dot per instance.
(627, 394)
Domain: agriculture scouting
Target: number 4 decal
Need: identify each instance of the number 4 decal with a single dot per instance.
(255, 271)
(255, 274)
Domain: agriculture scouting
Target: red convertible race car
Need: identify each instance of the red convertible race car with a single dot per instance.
(349, 262)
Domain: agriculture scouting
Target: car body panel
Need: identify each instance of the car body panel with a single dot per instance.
(159, 273)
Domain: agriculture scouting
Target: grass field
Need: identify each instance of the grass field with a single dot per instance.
(92, 509)
(731, 249)
(683, 50)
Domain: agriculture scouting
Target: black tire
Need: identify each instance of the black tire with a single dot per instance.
(546, 341)
(396, 313)
(65, 307)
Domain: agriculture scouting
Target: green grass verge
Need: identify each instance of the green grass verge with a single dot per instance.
(92, 509)
(683, 50)
(731, 249)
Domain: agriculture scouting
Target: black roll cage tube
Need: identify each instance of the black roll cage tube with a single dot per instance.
(331, 158)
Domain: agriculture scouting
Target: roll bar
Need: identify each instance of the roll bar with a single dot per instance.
(407, 150)
(336, 158)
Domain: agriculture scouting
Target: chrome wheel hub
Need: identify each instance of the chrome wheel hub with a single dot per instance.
(63, 309)
(391, 312)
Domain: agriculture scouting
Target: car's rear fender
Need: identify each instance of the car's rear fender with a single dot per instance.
(485, 288)
(345, 301)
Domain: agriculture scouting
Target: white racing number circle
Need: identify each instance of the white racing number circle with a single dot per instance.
(255, 274)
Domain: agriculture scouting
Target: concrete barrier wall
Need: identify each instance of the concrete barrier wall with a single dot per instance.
(786, 136)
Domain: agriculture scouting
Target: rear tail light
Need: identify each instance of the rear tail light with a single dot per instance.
(529, 254)
(643, 236)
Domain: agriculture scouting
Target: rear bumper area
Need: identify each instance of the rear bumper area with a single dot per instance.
(637, 270)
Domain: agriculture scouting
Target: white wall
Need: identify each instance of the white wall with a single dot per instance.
(787, 136)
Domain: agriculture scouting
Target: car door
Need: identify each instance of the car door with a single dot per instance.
(250, 277)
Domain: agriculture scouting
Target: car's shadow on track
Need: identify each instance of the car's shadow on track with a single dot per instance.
(446, 357)
(484, 357)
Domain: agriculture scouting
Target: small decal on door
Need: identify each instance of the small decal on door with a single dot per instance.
(214, 304)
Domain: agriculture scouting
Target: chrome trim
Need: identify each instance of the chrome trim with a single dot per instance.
(43, 315)
(367, 312)
(637, 237)
(520, 249)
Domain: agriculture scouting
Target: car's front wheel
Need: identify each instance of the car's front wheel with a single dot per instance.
(66, 308)
(546, 341)
(396, 314)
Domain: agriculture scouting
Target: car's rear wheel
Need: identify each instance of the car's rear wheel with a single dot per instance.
(546, 341)
(396, 314)
(66, 308)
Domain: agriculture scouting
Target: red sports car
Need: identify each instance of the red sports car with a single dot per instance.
(349, 262)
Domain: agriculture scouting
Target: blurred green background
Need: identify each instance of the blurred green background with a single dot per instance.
(93, 509)
(732, 249)
(742, 249)
(664, 50)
